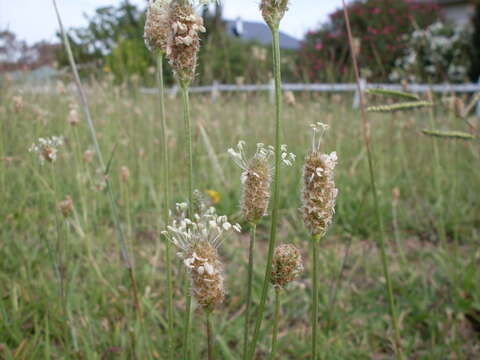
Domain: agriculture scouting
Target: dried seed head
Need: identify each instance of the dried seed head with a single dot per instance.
(289, 97)
(47, 148)
(257, 177)
(124, 174)
(18, 103)
(287, 265)
(88, 156)
(183, 42)
(157, 27)
(206, 275)
(319, 192)
(273, 11)
(66, 206)
(198, 240)
(73, 118)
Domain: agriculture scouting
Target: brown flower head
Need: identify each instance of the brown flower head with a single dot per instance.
(256, 178)
(157, 26)
(319, 192)
(198, 240)
(287, 265)
(47, 148)
(66, 206)
(183, 42)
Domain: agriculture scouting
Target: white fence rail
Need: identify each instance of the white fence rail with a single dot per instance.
(215, 89)
(415, 88)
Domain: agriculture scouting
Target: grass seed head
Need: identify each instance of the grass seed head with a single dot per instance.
(73, 117)
(206, 275)
(287, 265)
(257, 177)
(47, 148)
(157, 26)
(273, 11)
(198, 239)
(183, 42)
(319, 192)
(66, 206)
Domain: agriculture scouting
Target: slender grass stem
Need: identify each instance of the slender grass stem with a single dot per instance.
(367, 140)
(437, 183)
(276, 186)
(210, 334)
(253, 233)
(314, 321)
(189, 152)
(276, 319)
(113, 206)
(166, 205)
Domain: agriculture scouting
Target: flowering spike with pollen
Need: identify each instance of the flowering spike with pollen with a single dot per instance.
(198, 240)
(183, 42)
(273, 11)
(319, 192)
(157, 27)
(257, 177)
(47, 148)
(287, 265)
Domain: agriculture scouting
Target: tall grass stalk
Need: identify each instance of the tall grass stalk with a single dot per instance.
(276, 319)
(210, 334)
(367, 140)
(276, 184)
(113, 206)
(437, 182)
(166, 204)
(314, 321)
(253, 234)
(189, 154)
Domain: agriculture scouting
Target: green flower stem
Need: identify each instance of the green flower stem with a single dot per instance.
(253, 234)
(166, 205)
(276, 187)
(188, 144)
(314, 321)
(210, 334)
(275, 323)
(367, 140)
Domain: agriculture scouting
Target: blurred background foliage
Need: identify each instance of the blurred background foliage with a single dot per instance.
(112, 44)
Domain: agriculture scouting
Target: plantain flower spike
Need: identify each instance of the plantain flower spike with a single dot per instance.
(273, 11)
(287, 265)
(198, 240)
(183, 42)
(257, 177)
(319, 192)
(157, 27)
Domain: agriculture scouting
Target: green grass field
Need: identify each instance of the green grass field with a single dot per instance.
(432, 223)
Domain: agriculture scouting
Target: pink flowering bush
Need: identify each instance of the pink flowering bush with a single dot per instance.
(378, 26)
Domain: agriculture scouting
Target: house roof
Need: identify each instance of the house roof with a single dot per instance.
(256, 31)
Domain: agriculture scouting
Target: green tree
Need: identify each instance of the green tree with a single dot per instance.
(475, 49)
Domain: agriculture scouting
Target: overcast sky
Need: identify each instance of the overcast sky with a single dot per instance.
(34, 20)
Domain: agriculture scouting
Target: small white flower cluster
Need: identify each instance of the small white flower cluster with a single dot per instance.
(209, 227)
(263, 153)
(438, 53)
(47, 148)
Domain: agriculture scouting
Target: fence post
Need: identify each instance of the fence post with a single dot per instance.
(215, 92)
(478, 104)
(271, 90)
(356, 99)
